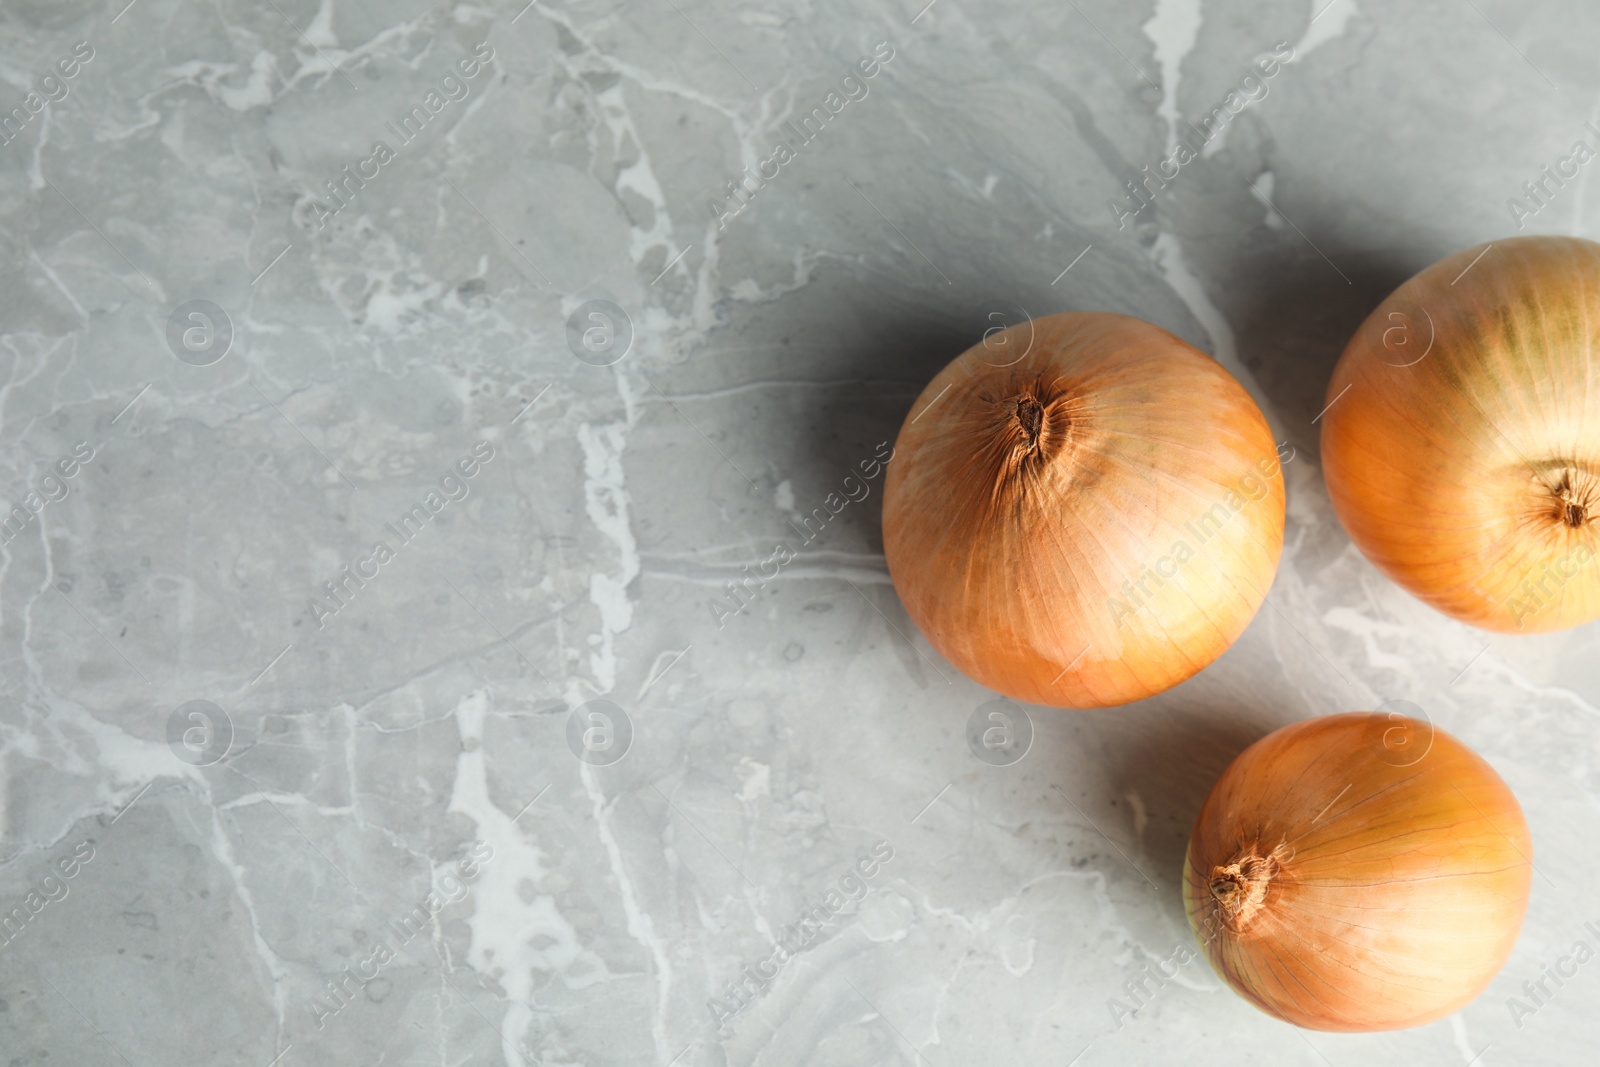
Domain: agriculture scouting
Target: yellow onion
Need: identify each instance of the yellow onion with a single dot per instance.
(1462, 444)
(1088, 522)
(1358, 872)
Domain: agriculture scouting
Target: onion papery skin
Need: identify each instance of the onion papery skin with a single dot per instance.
(1020, 498)
(1462, 447)
(1396, 890)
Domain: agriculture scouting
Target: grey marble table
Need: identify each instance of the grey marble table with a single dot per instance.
(391, 392)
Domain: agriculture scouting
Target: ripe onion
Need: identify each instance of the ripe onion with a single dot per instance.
(1086, 523)
(1358, 872)
(1462, 445)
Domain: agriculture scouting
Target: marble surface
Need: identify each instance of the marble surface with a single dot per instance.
(523, 794)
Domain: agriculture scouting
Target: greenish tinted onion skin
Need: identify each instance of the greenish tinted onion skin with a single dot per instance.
(1461, 447)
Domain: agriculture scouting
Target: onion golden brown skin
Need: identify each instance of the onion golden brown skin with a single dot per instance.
(1462, 445)
(1035, 506)
(1340, 880)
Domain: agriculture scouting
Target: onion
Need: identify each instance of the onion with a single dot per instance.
(1358, 872)
(1462, 445)
(1089, 522)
